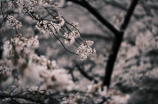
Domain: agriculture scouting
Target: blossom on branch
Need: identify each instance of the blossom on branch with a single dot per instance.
(85, 50)
(11, 21)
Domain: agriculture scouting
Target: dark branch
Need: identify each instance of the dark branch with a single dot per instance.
(116, 45)
(129, 14)
(115, 4)
(2, 9)
(96, 14)
(71, 69)
(85, 74)
(97, 36)
(3, 96)
(118, 34)
(1, 48)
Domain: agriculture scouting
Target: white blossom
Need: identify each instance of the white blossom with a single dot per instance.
(33, 42)
(71, 36)
(69, 40)
(6, 47)
(59, 79)
(84, 50)
(35, 69)
(76, 34)
(11, 21)
(75, 24)
(44, 27)
(61, 21)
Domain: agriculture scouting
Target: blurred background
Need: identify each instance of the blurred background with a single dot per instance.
(136, 68)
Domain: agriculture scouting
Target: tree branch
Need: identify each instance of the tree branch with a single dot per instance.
(85, 74)
(2, 96)
(97, 36)
(96, 14)
(1, 49)
(129, 14)
(116, 4)
(116, 45)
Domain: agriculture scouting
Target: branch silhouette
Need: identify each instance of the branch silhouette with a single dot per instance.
(96, 14)
(118, 34)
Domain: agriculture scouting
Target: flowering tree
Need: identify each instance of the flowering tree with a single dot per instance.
(27, 76)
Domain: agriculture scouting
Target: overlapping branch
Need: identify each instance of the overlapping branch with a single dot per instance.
(118, 34)
(96, 14)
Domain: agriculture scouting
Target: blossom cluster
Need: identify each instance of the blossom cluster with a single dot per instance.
(57, 23)
(43, 61)
(71, 36)
(20, 45)
(11, 21)
(3, 67)
(47, 27)
(84, 50)
(33, 69)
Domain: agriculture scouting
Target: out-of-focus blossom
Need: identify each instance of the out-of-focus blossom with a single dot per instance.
(33, 42)
(75, 24)
(98, 89)
(74, 99)
(60, 79)
(34, 69)
(31, 5)
(147, 42)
